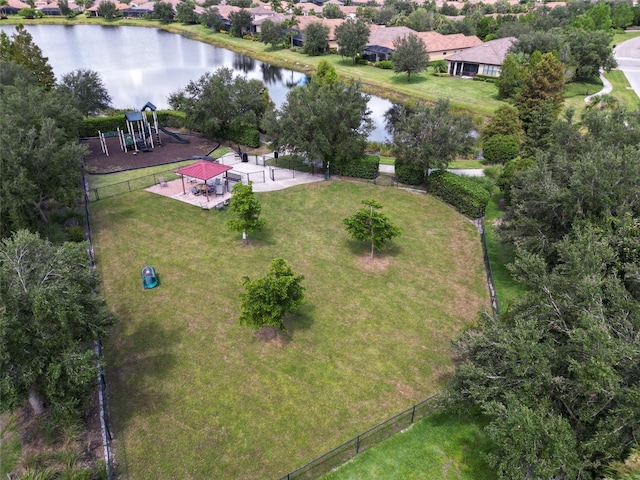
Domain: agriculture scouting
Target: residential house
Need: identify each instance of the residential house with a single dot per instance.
(297, 40)
(440, 46)
(484, 59)
(14, 6)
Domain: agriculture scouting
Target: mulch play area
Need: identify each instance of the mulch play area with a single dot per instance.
(170, 150)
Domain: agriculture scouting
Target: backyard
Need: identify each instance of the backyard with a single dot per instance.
(194, 395)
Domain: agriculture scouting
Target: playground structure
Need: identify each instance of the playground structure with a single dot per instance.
(140, 132)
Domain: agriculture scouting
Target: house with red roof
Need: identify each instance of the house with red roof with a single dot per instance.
(485, 59)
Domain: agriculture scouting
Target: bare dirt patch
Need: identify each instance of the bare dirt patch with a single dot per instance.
(272, 336)
(375, 264)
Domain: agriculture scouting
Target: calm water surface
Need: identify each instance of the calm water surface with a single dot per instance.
(140, 65)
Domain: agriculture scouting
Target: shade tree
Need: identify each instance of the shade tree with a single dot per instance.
(325, 120)
(241, 22)
(246, 211)
(316, 38)
(267, 300)
(352, 37)
(87, 90)
(410, 55)
(370, 225)
(272, 33)
(20, 49)
(49, 318)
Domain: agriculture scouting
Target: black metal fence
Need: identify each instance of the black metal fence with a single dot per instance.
(127, 186)
(358, 444)
(102, 384)
(487, 264)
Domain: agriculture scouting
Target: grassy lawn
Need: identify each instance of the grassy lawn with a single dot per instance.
(618, 38)
(622, 90)
(501, 255)
(10, 448)
(195, 395)
(438, 447)
(99, 181)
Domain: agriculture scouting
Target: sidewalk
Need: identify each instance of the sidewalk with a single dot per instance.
(467, 172)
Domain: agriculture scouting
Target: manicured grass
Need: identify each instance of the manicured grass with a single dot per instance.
(507, 289)
(438, 447)
(462, 164)
(618, 38)
(99, 181)
(576, 92)
(195, 395)
(622, 90)
(387, 160)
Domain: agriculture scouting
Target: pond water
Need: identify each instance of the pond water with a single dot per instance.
(140, 65)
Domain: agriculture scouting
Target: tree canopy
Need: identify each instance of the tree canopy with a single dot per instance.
(246, 210)
(352, 36)
(316, 38)
(49, 317)
(241, 22)
(219, 103)
(327, 121)
(429, 137)
(272, 33)
(88, 91)
(410, 55)
(368, 224)
(267, 300)
(21, 50)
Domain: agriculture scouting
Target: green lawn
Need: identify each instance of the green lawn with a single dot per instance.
(438, 447)
(622, 90)
(10, 448)
(194, 395)
(100, 181)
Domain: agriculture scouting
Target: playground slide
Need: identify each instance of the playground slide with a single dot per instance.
(174, 135)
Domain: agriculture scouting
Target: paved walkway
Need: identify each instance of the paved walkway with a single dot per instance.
(467, 172)
(606, 89)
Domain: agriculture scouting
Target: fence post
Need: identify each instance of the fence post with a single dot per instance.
(357, 444)
(129, 185)
(413, 413)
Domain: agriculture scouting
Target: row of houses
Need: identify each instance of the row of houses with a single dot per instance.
(466, 55)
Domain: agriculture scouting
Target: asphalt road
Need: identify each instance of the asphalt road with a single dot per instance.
(627, 54)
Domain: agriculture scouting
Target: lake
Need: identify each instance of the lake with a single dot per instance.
(140, 65)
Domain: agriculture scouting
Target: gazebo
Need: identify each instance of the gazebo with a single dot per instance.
(203, 170)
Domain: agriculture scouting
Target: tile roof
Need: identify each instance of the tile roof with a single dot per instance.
(489, 53)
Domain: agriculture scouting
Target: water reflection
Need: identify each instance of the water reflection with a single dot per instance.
(140, 65)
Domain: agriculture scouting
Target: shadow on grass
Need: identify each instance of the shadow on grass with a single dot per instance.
(359, 248)
(401, 79)
(144, 357)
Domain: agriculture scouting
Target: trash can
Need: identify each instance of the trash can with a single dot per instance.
(245, 157)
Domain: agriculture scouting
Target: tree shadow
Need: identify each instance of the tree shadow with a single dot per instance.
(359, 248)
(401, 79)
(143, 358)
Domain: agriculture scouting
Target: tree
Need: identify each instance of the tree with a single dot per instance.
(326, 73)
(540, 99)
(410, 55)
(267, 300)
(557, 373)
(272, 33)
(332, 10)
(352, 36)
(421, 20)
(316, 38)
(186, 12)
(622, 16)
(324, 120)
(370, 225)
(40, 158)
(107, 9)
(218, 104)
(21, 50)
(3, 6)
(505, 121)
(430, 137)
(246, 209)
(241, 22)
(87, 89)
(590, 52)
(49, 317)
(211, 18)
(512, 74)
(163, 11)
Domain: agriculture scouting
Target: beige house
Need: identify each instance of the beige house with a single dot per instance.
(484, 59)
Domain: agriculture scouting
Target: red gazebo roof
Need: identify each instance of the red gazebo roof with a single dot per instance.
(203, 170)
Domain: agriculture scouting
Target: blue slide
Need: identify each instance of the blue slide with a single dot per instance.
(174, 135)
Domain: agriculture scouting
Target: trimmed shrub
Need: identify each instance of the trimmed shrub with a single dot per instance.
(408, 174)
(485, 78)
(500, 148)
(384, 64)
(465, 195)
(512, 170)
(365, 167)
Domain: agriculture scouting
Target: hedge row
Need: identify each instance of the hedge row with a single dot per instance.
(249, 137)
(409, 175)
(485, 78)
(91, 125)
(365, 167)
(462, 193)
